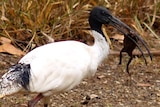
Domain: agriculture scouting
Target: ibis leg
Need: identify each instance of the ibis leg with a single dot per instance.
(34, 101)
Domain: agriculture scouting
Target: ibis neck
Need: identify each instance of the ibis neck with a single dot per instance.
(95, 25)
(99, 50)
(100, 43)
(101, 47)
(98, 29)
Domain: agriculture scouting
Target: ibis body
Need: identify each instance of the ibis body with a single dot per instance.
(60, 66)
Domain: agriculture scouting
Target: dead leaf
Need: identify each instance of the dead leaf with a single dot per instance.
(4, 40)
(7, 47)
(118, 37)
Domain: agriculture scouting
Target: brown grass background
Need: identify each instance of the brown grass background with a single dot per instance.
(30, 23)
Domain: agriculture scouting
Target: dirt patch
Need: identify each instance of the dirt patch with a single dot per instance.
(110, 87)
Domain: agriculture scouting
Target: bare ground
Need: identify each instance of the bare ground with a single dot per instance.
(110, 87)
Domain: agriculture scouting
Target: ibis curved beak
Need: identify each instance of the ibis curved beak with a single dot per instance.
(128, 32)
(120, 26)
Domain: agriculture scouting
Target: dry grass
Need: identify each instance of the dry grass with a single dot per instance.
(27, 22)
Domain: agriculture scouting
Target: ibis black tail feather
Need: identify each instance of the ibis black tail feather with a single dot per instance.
(15, 79)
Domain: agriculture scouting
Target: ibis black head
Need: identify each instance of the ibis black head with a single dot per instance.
(100, 15)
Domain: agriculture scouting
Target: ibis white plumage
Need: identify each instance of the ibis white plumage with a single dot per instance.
(60, 66)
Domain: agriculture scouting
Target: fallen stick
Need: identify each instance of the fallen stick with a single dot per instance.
(136, 53)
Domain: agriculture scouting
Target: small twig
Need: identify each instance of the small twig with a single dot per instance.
(30, 42)
(50, 39)
(149, 28)
(153, 52)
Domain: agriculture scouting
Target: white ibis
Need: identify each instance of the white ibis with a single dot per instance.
(60, 66)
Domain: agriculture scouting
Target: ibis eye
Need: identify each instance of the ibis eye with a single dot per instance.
(103, 12)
